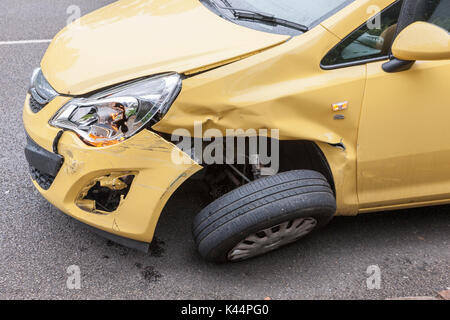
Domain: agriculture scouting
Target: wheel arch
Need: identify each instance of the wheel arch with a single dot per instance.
(307, 155)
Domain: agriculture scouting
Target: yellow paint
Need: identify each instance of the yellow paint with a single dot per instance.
(130, 39)
(354, 15)
(146, 155)
(404, 134)
(396, 122)
(285, 88)
(422, 41)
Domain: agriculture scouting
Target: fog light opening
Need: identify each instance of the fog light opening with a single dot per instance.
(105, 194)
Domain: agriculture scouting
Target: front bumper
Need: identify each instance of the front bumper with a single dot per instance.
(146, 155)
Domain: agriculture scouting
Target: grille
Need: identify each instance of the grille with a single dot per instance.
(35, 106)
(45, 181)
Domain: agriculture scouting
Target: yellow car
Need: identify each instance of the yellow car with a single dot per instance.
(288, 112)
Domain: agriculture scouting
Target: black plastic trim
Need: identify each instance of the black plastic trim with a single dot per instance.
(352, 64)
(397, 65)
(56, 141)
(46, 162)
(34, 105)
(129, 243)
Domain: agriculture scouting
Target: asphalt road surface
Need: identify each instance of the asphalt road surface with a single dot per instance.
(38, 243)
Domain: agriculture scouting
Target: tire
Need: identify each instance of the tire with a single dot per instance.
(300, 195)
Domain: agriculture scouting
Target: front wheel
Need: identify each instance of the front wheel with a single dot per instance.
(264, 215)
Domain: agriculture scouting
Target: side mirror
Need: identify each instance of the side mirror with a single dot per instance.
(422, 41)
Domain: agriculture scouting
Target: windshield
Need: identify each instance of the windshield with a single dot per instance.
(305, 12)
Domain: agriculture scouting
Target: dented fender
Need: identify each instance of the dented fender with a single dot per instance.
(283, 88)
(146, 156)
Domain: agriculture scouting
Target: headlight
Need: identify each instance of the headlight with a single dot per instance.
(40, 89)
(115, 115)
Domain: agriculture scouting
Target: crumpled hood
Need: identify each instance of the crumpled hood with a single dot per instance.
(134, 38)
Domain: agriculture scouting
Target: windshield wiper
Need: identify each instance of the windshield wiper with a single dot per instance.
(244, 14)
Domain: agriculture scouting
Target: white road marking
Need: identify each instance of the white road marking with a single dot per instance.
(6, 43)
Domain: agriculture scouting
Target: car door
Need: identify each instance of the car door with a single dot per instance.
(403, 154)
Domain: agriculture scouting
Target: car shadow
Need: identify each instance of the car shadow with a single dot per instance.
(346, 235)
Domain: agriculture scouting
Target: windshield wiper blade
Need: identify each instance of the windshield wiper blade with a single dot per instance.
(244, 14)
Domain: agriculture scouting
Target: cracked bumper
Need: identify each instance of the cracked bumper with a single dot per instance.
(146, 154)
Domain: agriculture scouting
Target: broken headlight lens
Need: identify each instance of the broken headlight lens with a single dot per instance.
(115, 115)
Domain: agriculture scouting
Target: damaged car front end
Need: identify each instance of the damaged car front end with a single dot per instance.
(90, 148)
(103, 107)
(120, 188)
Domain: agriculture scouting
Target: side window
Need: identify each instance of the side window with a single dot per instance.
(435, 11)
(370, 41)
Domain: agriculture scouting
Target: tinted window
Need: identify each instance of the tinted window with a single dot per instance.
(435, 11)
(371, 40)
(305, 12)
